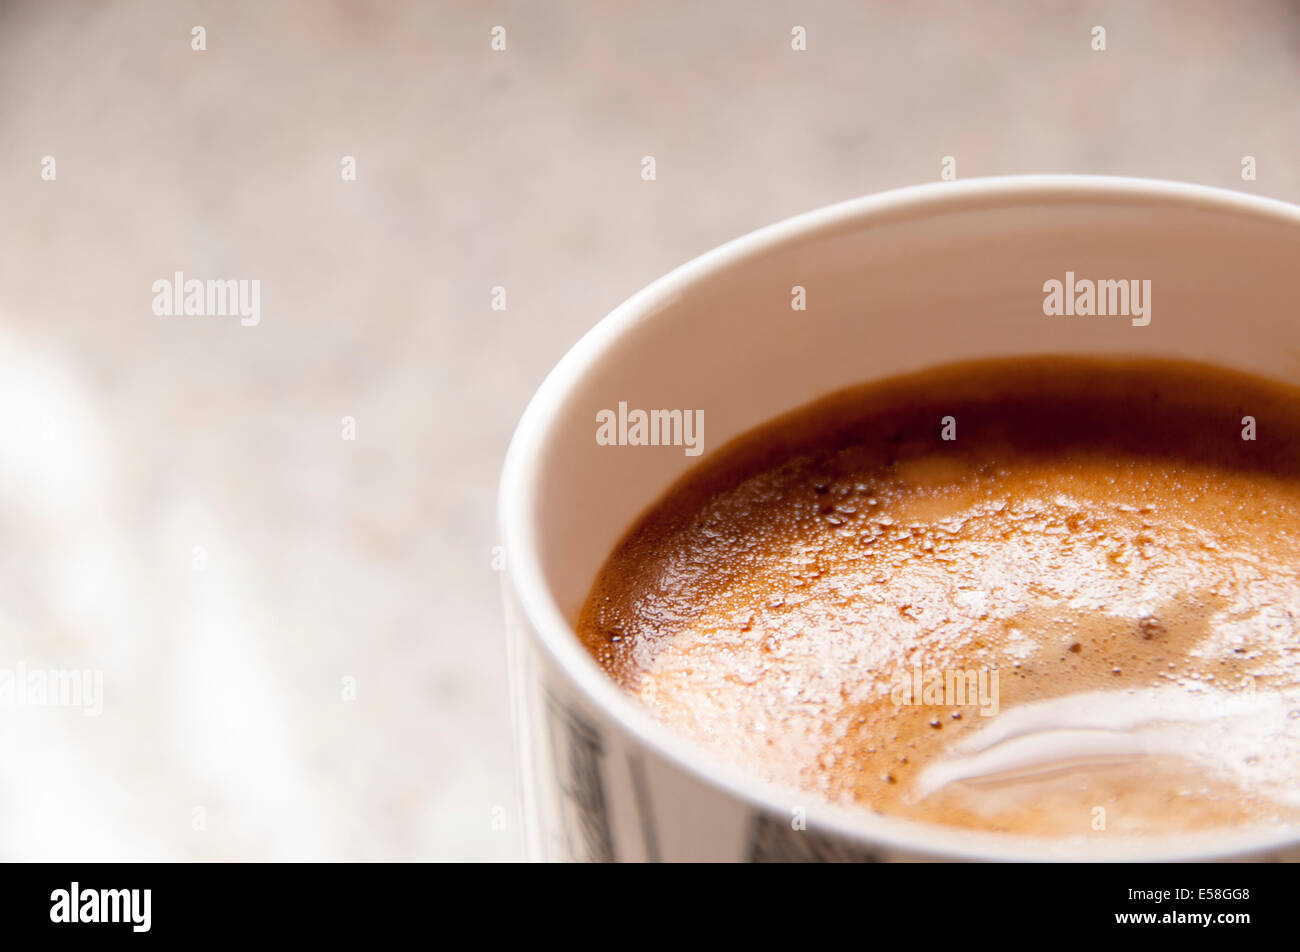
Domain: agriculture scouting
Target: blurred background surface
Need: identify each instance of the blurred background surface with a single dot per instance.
(178, 504)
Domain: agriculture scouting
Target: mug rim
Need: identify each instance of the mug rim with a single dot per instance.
(516, 524)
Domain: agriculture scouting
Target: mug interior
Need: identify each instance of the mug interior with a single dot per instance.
(893, 284)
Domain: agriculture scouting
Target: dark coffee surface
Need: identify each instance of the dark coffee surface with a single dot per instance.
(1098, 540)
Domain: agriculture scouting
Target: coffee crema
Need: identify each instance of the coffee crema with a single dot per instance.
(1050, 596)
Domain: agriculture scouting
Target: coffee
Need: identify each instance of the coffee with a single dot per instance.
(1047, 596)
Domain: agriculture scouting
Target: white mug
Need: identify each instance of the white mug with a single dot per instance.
(892, 283)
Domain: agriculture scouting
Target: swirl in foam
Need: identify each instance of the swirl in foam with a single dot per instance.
(1249, 739)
